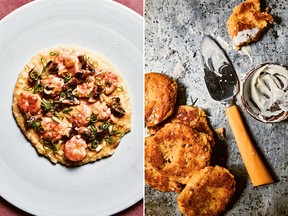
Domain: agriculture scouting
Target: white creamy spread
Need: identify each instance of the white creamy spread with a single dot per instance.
(266, 92)
(245, 35)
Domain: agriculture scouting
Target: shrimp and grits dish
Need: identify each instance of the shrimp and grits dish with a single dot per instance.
(72, 105)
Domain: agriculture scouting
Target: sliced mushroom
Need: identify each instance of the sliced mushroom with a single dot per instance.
(71, 84)
(48, 89)
(85, 133)
(118, 111)
(71, 101)
(86, 65)
(52, 67)
(116, 108)
(95, 94)
(83, 74)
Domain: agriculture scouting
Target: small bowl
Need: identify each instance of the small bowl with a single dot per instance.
(265, 93)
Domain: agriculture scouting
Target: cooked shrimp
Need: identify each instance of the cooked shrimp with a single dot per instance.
(108, 81)
(84, 89)
(29, 103)
(52, 129)
(102, 111)
(68, 63)
(75, 149)
(80, 115)
(60, 61)
(52, 85)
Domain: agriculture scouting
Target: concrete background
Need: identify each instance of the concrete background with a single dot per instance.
(173, 33)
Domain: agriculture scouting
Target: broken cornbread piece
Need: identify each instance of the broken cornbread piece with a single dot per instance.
(247, 22)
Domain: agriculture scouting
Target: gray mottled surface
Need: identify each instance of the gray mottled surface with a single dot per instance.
(173, 33)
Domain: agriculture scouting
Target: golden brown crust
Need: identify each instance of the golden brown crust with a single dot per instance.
(207, 193)
(158, 180)
(160, 97)
(22, 84)
(247, 16)
(192, 116)
(178, 151)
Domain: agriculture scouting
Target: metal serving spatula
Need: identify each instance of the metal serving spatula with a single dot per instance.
(222, 83)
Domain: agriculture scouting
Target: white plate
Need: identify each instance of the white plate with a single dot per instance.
(30, 181)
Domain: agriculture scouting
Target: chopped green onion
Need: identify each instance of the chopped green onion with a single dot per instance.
(69, 91)
(54, 54)
(93, 128)
(93, 118)
(33, 75)
(46, 104)
(38, 88)
(67, 110)
(62, 95)
(55, 119)
(103, 97)
(67, 115)
(44, 75)
(119, 88)
(109, 139)
(59, 116)
(51, 144)
(117, 132)
(92, 146)
(105, 125)
(27, 89)
(41, 130)
(66, 76)
(86, 58)
(43, 63)
(36, 125)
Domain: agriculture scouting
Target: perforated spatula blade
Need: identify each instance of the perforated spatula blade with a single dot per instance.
(222, 83)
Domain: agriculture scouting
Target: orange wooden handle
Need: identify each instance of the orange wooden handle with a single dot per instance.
(256, 169)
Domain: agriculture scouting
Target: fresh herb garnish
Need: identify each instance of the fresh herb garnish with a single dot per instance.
(105, 125)
(33, 75)
(66, 76)
(46, 104)
(93, 118)
(193, 101)
(54, 54)
(62, 95)
(51, 144)
(56, 119)
(94, 144)
(38, 88)
(36, 125)
(119, 88)
(25, 88)
(43, 63)
(44, 75)
(67, 110)
(109, 139)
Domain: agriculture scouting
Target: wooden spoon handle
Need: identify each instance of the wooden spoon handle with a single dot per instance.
(256, 169)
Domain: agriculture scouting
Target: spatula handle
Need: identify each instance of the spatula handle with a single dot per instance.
(256, 169)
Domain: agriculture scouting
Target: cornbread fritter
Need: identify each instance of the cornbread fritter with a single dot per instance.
(178, 151)
(194, 117)
(160, 97)
(247, 23)
(158, 180)
(207, 193)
